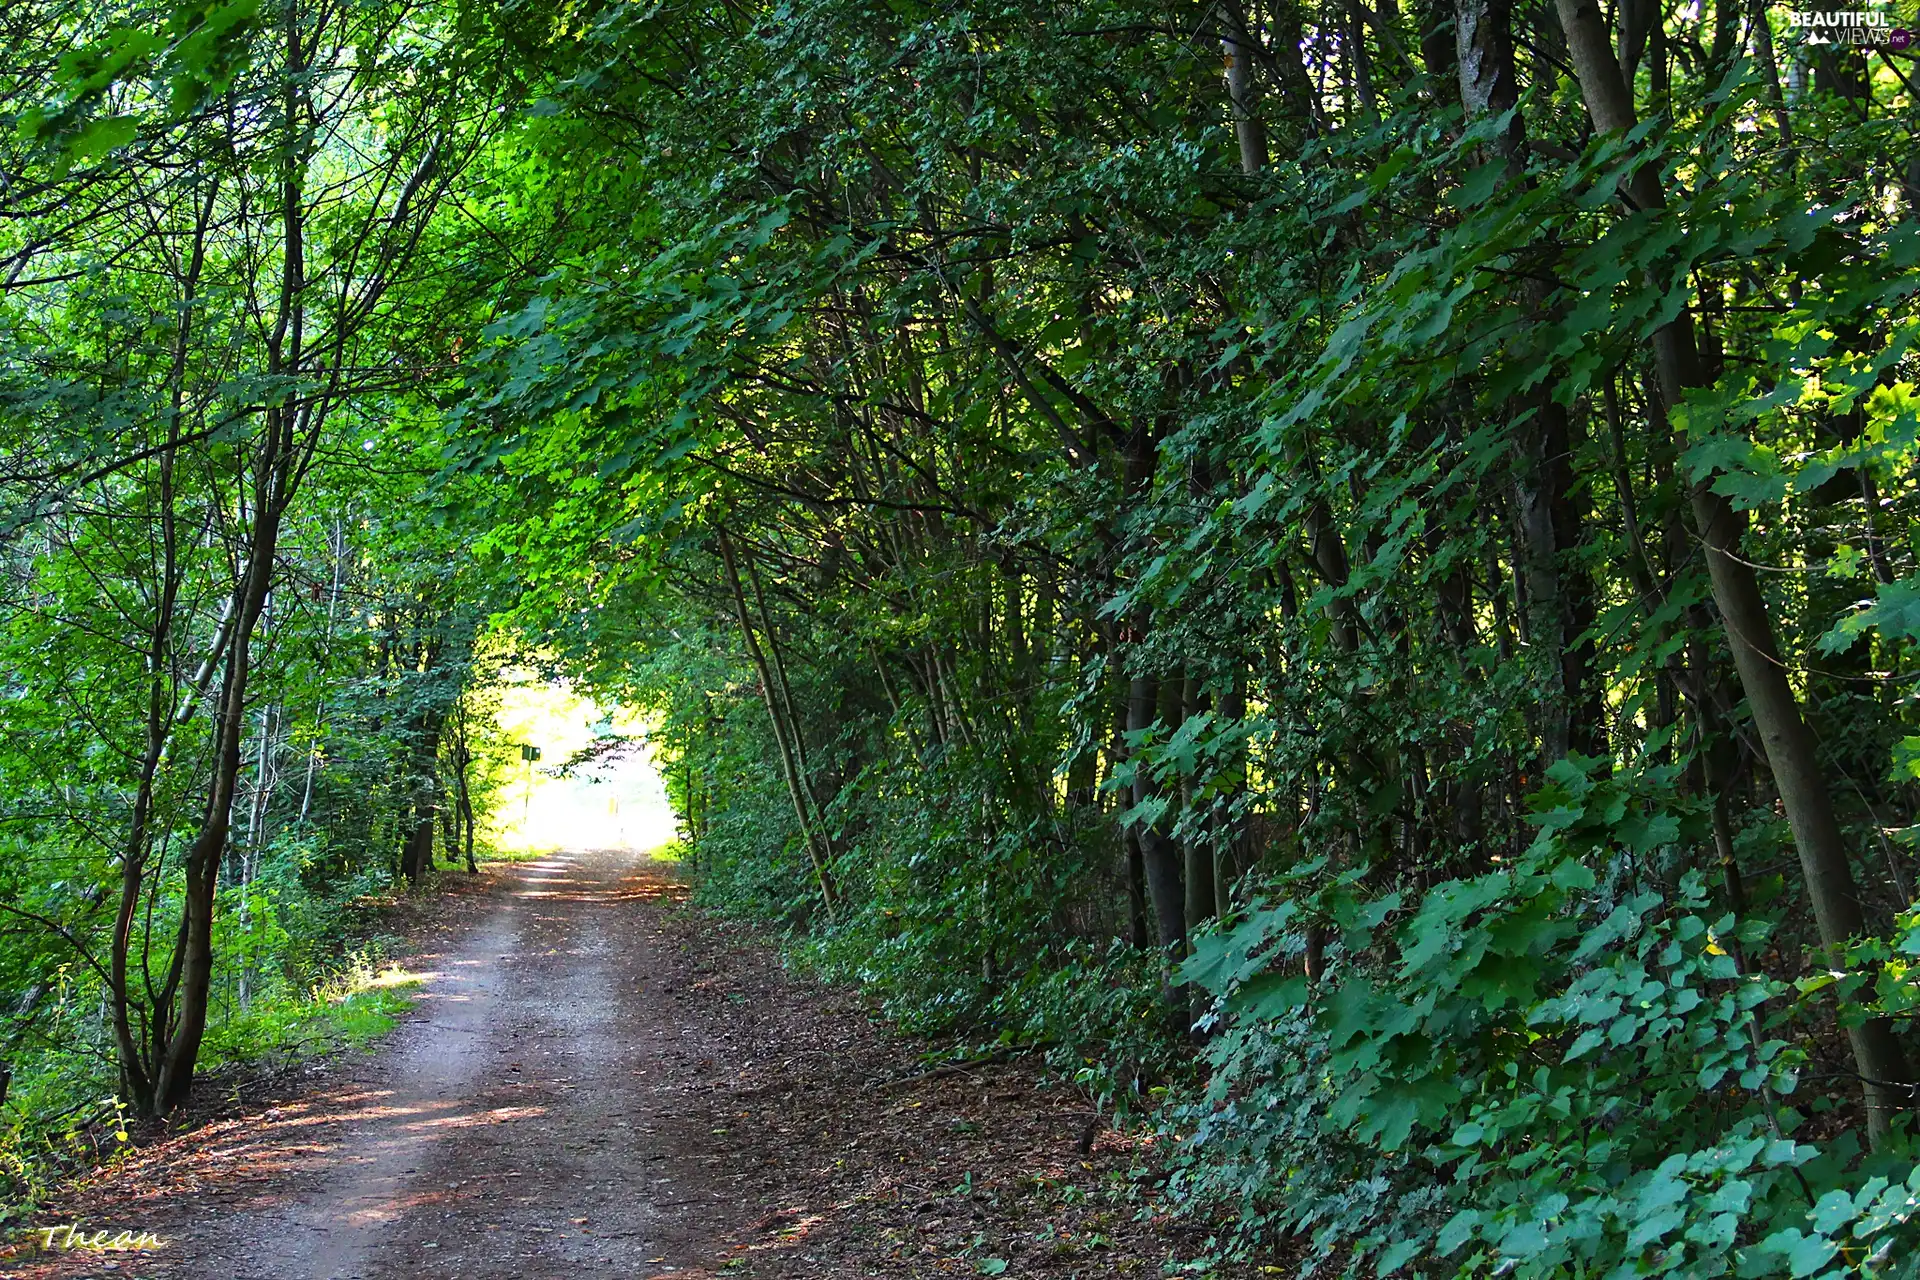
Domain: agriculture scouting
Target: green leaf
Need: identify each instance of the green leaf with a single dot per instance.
(1587, 1042)
(1833, 1211)
(1397, 1255)
(1524, 1241)
(1460, 1228)
(1804, 1254)
(1478, 185)
(1894, 612)
(102, 136)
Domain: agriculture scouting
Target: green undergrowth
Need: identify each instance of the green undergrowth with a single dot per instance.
(347, 1010)
(673, 851)
(1093, 1014)
(1091, 1009)
(1559, 1066)
(61, 1116)
(511, 857)
(306, 973)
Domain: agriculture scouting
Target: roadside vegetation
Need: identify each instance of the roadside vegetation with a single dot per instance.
(1346, 574)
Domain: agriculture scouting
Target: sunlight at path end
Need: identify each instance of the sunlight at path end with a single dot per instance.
(614, 801)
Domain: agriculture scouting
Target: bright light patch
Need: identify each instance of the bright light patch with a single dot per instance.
(616, 802)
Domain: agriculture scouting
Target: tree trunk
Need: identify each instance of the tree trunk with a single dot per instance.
(463, 797)
(1791, 751)
(1159, 856)
(275, 474)
(819, 850)
(1560, 605)
(1200, 846)
(194, 959)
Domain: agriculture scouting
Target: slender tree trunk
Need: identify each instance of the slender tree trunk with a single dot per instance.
(416, 854)
(1229, 834)
(1138, 930)
(1249, 131)
(136, 1070)
(465, 800)
(818, 850)
(1159, 856)
(194, 959)
(1200, 847)
(1791, 751)
(275, 475)
(337, 544)
(1560, 605)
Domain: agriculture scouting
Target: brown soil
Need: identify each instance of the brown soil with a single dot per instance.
(597, 1082)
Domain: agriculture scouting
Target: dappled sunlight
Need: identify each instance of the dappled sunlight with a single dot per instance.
(492, 1115)
(264, 1158)
(555, 882)
(648, 889)
(395, 976)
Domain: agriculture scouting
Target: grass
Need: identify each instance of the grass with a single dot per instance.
(485, 856)
(347, 1011)
(671, 851)
(60, 1116)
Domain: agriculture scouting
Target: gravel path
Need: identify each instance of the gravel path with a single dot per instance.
(598, 1085)
(519, 1124)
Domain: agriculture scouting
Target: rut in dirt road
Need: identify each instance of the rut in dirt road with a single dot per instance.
(518, 1125)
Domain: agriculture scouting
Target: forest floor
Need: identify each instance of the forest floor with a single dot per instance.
(598, 1082)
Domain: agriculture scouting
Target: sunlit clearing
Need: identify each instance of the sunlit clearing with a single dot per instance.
(616, 801)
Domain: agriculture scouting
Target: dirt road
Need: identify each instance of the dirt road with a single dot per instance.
(595, 1085)
(517, 1125)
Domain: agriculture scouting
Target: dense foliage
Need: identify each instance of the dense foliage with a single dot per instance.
(1349, 568)
(239, 646)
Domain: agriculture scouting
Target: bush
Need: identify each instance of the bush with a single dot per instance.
(1530, 1072)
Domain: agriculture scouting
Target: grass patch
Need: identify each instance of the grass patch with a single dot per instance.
(485, 856)
(61, 1117)
(347, 1011)
(671, 851)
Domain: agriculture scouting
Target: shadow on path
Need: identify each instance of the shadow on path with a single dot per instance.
(525, 1121)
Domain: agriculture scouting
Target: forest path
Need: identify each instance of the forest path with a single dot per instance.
(525, 1121)
(597, 1085)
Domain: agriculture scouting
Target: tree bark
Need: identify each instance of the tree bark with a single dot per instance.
(1159, 857)
(1560, 605)
(1200, 847)
(275, 475)
(136, 1070)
